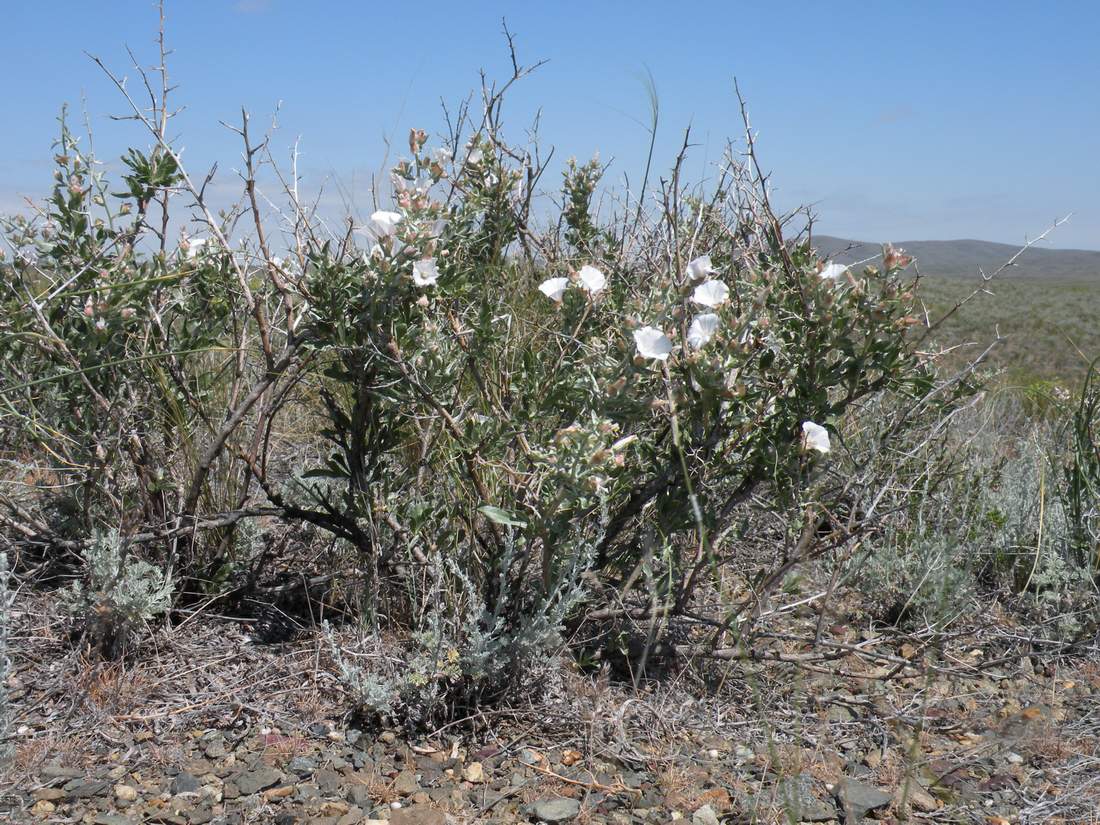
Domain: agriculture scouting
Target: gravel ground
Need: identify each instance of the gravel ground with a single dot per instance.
(206, 727)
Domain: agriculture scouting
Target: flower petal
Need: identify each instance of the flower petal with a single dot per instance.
(554, 288)
(383, 224)
(815, 437)
(592, 280)
(711, 294)
(832, 272)
(652, 343)
(425, 272)
(702, 329)
(195, 247)
(700, 268)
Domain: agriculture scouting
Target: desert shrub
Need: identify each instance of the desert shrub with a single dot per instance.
(1081, 488)
(119, 594)
(7, 599)
(501, 413)
(990, 522)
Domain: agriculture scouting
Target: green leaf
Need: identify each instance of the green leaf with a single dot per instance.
(500, 516)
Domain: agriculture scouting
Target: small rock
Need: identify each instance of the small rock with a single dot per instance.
(388, 737)
(125, 793)
(278, 793)
(918, 798)
(256, 780)
(354, 816)
(308, 793)
(858, 799)
(1014, 758)
(200, 815)
(285, 818)
(49, 794)
(352, 736)
(405, 784)
(184, 783)
(359, 795)
(302, 766)
(58, 772)
(112, 819)
(418, 815)
(43, 807)
(328, 781)
(84, 788)
(474, 772)
(555, 810)
(528, 757)
(334, 808)
(704, 816)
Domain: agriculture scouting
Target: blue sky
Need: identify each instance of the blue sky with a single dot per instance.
(896, 120)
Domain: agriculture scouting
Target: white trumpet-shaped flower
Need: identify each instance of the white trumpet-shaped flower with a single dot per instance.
(711, 294)
(652, 343)
(425, 272)
(700, 268)
(832, 272)
(702, 329)
(815, 437)
(383, 224)
(554, 288)
(592, 280)
(195, 246)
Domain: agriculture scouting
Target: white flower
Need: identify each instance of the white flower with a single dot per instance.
(652, 343)
(475, 157)
(832, 272)
(425, 272)
(711, 294)
(702, 329)
(554, 288)
(592, 280)
(194, 246)
(383, 224)
(700, 268)
(815, 437)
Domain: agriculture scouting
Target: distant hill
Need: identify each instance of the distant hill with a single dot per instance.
(961, 259)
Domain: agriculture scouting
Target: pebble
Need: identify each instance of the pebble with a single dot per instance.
(125, 793)
(405, 784)
(474, 772)
(555, 810)
(43, 807)
(184, 783)
(256, 780)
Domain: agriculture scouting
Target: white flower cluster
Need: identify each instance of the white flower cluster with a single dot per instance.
(709, 292)
(383, 227)
(590, 279)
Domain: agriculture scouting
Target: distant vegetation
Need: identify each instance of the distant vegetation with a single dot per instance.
(963, 258)
(1049, 328)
